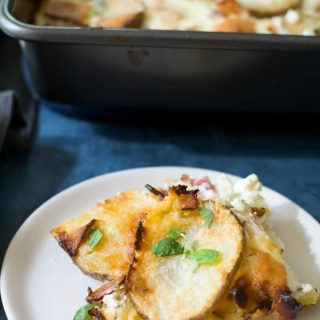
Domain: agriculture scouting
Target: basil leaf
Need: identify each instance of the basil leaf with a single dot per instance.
(204, 256)
(167, 247)
(94, 236)
(175, 233)
(82, 313)
(207, 216)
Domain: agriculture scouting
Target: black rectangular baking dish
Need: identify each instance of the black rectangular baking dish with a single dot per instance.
(115, 69)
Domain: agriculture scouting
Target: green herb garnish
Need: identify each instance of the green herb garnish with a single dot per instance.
(175, 233)
(167, 247)
(204, 256)
(207, 216)
(94, 237)
(82, 313)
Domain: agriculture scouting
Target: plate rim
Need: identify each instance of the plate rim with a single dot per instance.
(65, 192)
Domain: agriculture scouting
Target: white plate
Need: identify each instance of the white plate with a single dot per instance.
(38, 280)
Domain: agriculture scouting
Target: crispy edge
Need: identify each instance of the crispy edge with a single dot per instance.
(71, 242)
(108, 287)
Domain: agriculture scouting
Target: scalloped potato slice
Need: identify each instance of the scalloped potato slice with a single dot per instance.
(119, 219)
(169, 288)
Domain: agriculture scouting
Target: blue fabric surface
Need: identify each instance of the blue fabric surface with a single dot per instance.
(285, 153)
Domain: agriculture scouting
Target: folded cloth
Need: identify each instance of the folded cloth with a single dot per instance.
(16, 121)
(6, 106)
(18, 107)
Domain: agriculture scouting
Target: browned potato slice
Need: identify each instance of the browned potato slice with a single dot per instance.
(166, 288)
(119, 219)
(74, 12)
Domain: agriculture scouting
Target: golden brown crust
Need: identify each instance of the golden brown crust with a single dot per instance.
(75, 13)
(71, 242)
(160, 194)
(184, 199)
(260, 284)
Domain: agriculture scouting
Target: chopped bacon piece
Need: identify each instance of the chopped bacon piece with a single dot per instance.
(238, 293)
(186, 199)
(159, 194)
(97, 295)
(205, 181)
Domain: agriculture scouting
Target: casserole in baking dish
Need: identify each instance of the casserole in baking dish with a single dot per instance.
(95, 71)
(258, 16)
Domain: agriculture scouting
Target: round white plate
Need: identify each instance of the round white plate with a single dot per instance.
(38, 280)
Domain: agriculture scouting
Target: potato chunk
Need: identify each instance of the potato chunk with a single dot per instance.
(171, 287)
(73, 12)
(119, 219)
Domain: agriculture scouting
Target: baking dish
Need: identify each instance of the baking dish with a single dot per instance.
(113, 69)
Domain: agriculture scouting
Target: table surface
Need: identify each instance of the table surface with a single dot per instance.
(283, 150)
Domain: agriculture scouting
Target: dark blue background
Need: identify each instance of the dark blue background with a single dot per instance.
(284, 150)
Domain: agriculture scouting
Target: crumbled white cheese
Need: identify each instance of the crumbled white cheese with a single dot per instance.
(113, 302)
(292, 16)
(306, 287)
(205, 193)
(308, 32)
(241, 195)
(277, 21)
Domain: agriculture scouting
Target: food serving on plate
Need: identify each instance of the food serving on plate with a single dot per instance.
(193, 249)
(299, 17)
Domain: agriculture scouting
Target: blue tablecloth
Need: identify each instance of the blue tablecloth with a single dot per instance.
(284, 151)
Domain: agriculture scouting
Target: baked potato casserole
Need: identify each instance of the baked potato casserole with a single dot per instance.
(194, 249)
(298, 17)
